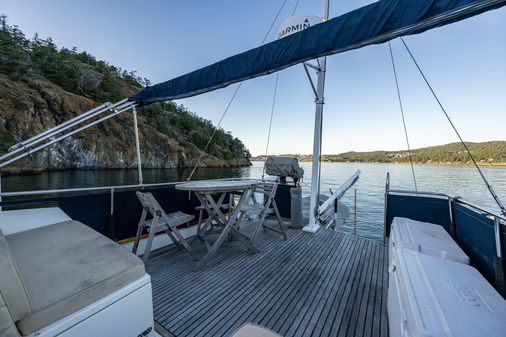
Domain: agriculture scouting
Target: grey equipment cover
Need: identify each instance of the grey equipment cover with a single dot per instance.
(283, 167)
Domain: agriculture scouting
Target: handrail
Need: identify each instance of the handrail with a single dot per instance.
(60, 127)
(24, 145)
(417, 192)
(457, 200)
(27, 149)
(120, 109)
(99, 188)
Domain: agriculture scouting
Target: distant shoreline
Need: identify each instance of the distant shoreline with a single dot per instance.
(491, 153)
(261, 159)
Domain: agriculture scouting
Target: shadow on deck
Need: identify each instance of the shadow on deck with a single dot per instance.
(327, 284)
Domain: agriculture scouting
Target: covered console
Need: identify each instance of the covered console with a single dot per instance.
(283, 167)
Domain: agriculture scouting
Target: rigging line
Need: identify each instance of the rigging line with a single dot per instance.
(274, 21)
(232, 98)
(490, 189)
(270, 122)
(402, 114)
(295, 8)
(214, 131)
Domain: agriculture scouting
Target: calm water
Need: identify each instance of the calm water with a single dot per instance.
(461, 181)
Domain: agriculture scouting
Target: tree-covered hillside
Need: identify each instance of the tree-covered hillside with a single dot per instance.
(33, 64)
(486, 153)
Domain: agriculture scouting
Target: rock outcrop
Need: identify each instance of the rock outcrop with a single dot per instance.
(34, 104)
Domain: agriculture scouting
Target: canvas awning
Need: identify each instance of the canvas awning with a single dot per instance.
(372, 24)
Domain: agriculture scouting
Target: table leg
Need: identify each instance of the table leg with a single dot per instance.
(213, 216)
(202, 228)
(227, 229)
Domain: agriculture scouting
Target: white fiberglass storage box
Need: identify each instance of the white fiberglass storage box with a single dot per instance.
(426, 238)
(430, 297)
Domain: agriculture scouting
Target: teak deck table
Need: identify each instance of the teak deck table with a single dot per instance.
(205, 190)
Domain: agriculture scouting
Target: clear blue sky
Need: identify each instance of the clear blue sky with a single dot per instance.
(163, 39)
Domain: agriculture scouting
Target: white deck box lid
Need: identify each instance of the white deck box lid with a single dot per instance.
(15, 221)
(446, 298)
(426, 238)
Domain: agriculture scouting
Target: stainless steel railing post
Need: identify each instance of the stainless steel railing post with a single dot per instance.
(355, 214)
(137, 146)
(499, 261)
(453, 228)
(497, 234)
(387, 188)
(0, 190)
(112, 219)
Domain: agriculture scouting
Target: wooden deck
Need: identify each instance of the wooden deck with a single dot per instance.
(327, 284)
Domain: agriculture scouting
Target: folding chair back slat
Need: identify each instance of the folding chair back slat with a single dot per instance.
(149, 203)
(267, 189)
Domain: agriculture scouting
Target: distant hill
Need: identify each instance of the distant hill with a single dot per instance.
(42, 85)
(486, 153)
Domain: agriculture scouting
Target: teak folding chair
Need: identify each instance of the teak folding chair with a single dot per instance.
(160, 221)
(268, 189)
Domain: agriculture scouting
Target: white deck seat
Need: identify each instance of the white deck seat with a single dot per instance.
(426, 238)
(60, 269)
(432, 297)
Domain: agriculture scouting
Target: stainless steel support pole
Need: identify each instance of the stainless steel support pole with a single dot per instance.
(112, 201)
(137, 146)
(385, 212)
(453, 228)
(498, 239)
(314, 224)
(112, 219)
(499, 261)
(355, 214)
(0, 190)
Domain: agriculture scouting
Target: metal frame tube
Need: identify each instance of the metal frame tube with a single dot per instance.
(98, 188)
(137, 146)
(28, 152)
(310, 80)
(387, 191)
(77, 118)
(24, 146)
(314, 225)
(453, 228)
(112, 201)
(416, 193)
(498, 239)
(499, 261)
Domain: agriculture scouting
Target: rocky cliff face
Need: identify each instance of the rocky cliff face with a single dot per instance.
(34, 104)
